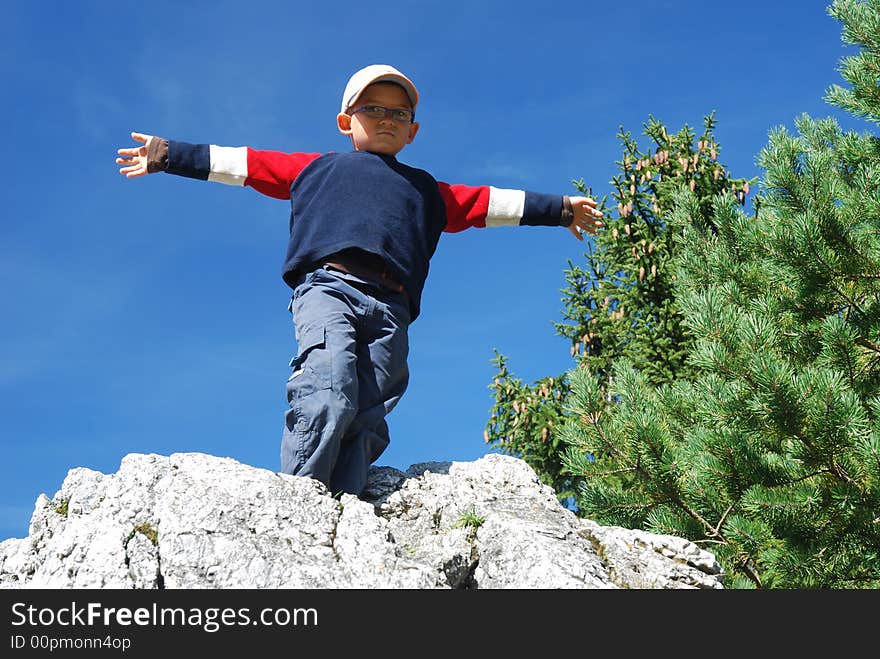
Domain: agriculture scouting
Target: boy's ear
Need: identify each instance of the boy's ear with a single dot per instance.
(413, 129)
(343, 122)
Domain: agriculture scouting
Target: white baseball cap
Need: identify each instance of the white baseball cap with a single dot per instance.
(376, 73)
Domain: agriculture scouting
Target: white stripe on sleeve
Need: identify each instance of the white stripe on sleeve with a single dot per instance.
(506, 207)
(228, 164)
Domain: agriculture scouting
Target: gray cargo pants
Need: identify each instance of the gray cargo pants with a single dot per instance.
(350, 371)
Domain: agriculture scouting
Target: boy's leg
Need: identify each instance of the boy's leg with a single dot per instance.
(322, 390)
(383, 375)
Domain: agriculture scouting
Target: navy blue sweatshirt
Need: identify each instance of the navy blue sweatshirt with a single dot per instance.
(364, 200)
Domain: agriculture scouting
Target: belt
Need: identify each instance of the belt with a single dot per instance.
(372, 269)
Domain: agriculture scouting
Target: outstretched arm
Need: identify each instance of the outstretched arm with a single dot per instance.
(268, 172)
(488, 206)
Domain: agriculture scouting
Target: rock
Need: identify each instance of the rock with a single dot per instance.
(191, 520)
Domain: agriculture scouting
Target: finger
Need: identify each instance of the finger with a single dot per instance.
(128, 152)
(140, 137)
(589, 220)
(591, 226)
(587, 212)
(590, 210)
(139, 172)
(125, 161)
(574, 231)
(127, 170)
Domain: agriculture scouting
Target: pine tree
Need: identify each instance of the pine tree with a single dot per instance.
(620, 304)
(768, 453)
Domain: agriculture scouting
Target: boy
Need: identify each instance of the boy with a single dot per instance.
(363, 227)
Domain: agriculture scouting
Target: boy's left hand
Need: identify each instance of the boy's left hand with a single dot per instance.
(586, 216)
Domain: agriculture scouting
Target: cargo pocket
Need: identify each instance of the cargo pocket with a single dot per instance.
(312, 366)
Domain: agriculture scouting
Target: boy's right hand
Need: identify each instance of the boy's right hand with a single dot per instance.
(135, 158)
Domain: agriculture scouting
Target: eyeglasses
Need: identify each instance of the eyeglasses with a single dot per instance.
(379, 112)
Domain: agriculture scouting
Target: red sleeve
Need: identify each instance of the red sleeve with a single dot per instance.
(488, 206)
(466, 206)
(273, 172)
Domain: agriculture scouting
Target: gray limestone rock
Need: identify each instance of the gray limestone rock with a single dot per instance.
(191, 520)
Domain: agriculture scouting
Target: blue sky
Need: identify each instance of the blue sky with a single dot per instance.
(149, 315)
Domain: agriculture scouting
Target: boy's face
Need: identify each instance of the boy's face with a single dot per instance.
(386, 136)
